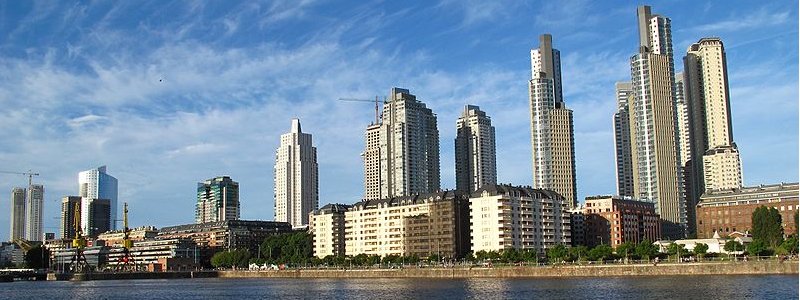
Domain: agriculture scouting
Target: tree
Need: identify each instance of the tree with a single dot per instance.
(767, 226)
(626, 249)
(700, 249)
(758, 247)
(677, 249)
(733, 246)
(557, 253)
(293, 247)
(601, 252)
(646, 250)
(37, 258)
(579, 252)
(228, 259)
(790, 244)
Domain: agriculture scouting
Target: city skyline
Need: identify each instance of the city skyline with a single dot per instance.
(150, 111)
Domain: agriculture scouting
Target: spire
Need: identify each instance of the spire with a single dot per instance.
(296, 125)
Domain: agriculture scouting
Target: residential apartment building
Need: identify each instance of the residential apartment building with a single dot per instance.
(552, 129)
(728, 211)
(217, 200)
(401, 157)
(476, 160)
(715, 162)
(17, 227)
(115, 238)
(653, 127)
(510, 217)
(296, 177)
(97, 184)
(34, 208)
(228, 234)
(622, 139)
(611, 220)
(420, 224)
(327, 230)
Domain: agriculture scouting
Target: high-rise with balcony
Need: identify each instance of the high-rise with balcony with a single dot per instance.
(653, 123)
(34, 206)
(476, 163)
(622, 140)
(97, 184)
(17, 227)
(69, 205)
(217, 200)
(296, 177)
(401, 155)
(552, 139)
(715, 163)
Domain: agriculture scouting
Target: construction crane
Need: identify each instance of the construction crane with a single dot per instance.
(126, 261)
(30, 175)
(78, 264)
(376, 101)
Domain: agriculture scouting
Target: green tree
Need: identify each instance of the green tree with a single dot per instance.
(646, 250)
(790, 244)
(510, 255)
(677, 249)
(700, 249)
(767, 226)
(228, 259)
(37, 258)
(601, 252)
(295, 247)
(626, 250)
(558, 253)
(579, 252)
(758, 247)
(733, 246)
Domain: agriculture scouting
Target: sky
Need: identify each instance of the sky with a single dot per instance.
(168, 94)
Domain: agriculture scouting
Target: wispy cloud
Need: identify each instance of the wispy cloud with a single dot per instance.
(758, 19)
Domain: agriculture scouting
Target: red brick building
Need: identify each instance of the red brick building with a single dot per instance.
(730, 211)
(610, 220)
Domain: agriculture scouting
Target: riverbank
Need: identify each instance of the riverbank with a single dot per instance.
(616, 270)
(722, 268)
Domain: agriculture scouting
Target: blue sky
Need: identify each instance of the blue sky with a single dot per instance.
(168, 94)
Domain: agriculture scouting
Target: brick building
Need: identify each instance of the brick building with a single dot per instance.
(611, 220)
(729, 211)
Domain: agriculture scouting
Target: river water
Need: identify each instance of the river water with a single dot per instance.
(667, 287)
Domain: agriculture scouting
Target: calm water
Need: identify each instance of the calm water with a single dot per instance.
(675, 287)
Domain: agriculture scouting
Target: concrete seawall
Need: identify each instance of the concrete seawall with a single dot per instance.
(131, 275)
(740, 268)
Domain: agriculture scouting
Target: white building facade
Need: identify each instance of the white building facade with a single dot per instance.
(33, 213)
(296, 177)
(97, 184)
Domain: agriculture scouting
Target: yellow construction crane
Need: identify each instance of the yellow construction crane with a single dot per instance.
(78, 264)
(30, 175)
(376, 101)
(126, 262)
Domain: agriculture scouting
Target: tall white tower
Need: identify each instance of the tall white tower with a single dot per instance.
(552, 139)
(401, 155)
(97, 184)
(296, 177)
(476, 162)
(33, 211)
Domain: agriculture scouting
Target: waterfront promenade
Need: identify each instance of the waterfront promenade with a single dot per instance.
(664, 269)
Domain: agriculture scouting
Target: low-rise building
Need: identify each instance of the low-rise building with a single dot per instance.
(728, 211)
(512, 217)
(228, 234)
(114, 238)
(421, 225)
(327, 229)
(611, 220)
(167, 254)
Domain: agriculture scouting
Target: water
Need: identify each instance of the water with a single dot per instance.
(672, 287)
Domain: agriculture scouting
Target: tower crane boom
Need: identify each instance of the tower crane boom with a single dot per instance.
(30, 175)
(376, 101)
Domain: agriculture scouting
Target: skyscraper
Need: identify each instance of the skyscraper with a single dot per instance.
(653, 123)
(217, 200)
(68, 206)
(714, 158)
(296, 177)
(552, 130)
(33, 212)
(402, 153)
(17, 214)
(622, 140)
(99, 216)
(97, 184)
(476, 162)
